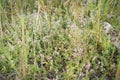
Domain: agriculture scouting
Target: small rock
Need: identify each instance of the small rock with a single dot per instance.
(113, 34)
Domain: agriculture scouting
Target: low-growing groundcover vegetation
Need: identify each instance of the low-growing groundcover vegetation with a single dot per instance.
(58, 40)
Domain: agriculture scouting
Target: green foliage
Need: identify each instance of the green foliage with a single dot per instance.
(38, 41)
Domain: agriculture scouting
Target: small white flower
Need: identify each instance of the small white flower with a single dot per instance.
(46, 38)
(56, 53)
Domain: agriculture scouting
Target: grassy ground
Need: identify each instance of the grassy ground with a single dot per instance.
(58, 40)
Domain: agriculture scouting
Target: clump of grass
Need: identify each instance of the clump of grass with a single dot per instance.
(57, 39)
